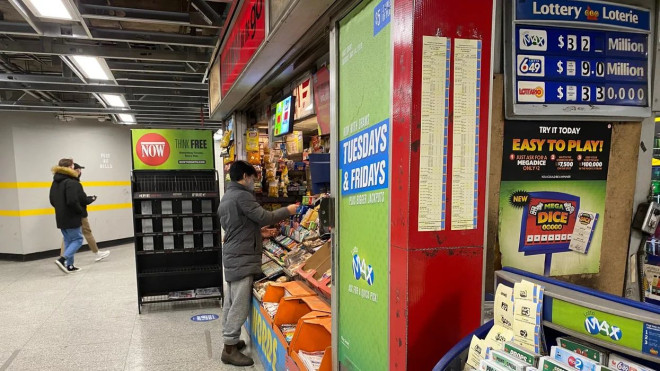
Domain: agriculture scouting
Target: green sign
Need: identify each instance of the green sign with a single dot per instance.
(608, 327)
(364, 126)
(170, 149)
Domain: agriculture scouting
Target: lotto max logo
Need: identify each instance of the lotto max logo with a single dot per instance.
(533, 40)
(530, 65)
(362, 271)
(596, 327)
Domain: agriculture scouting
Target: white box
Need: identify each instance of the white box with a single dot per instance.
(147, 244)
(188, 224)
(168, 225)
(186, 207)
(166, 207)
(188, 241)
(207, 223)
(207, 240)
(147, 225)
(207, 206)
(168, 242)
(145, 208)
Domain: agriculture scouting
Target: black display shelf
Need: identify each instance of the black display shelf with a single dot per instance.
(177, 271)
(161, 194)
(174, 195)
(164, 298)
(178, 251)
(154, 216)
(153, 234)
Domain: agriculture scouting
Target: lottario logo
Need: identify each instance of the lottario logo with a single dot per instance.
(152, 149)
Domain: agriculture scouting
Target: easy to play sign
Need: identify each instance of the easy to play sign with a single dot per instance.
(168, 149)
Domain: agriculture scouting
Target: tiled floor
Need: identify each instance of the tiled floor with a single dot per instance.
(89, 321)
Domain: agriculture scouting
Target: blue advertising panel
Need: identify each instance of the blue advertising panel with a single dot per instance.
(579, 57)
(271, 352)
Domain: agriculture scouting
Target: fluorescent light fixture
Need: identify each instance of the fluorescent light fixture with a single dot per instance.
(54, 9)
(93, 68)
(126, 118)
(115, 100)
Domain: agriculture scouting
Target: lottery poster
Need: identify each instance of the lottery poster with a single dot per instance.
(552, 196)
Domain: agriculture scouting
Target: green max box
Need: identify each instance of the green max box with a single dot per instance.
(590, 351)
(522, 354)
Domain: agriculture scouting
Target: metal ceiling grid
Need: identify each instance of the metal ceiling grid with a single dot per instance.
(156, 52)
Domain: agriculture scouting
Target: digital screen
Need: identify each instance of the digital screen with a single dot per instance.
(282, 120)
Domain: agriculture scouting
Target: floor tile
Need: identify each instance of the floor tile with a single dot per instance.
(106, 356)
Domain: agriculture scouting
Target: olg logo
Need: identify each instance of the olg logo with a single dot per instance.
(362, 271)
(153, 149)
(595, 327)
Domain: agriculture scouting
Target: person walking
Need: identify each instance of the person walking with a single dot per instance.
(242, 217)
(68, 198)
(86, 229)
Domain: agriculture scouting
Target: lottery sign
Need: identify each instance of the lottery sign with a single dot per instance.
(586, 58)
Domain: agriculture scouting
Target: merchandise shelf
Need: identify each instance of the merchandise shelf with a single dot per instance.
(566, 308)
(175, 271)
(178, 251)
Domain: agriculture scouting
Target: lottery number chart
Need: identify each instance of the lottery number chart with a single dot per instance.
(580, 57)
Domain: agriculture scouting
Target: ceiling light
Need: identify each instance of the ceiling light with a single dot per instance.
(54, 9)
(114, 100)
(126, 118)
(93, 68)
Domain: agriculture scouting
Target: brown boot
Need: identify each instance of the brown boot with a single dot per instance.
(240, 345)
(231, 355)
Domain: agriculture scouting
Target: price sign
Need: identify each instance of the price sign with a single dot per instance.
(586, 58)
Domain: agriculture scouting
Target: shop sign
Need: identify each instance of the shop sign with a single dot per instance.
(171, 149)
(245, 37)
(304, 99)
(625, 332)
(554, 178)
(271, 352)
(322, 99)
(579, 58)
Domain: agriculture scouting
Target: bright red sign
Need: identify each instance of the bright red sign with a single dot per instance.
(247, 34)
(152, 149)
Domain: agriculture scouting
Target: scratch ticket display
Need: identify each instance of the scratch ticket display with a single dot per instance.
(528, 304)
(497, 337)
(503, 307)
(476, 354)
(552, 173)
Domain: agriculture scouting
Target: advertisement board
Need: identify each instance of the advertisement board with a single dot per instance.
(587, 58)
(552, 195)
(364, 155)
(171, 149)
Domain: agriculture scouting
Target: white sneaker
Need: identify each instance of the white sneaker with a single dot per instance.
(102, 255)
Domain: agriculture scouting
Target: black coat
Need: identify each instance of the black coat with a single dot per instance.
(68, 198)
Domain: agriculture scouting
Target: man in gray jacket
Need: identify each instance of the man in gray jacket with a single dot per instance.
(242, 217)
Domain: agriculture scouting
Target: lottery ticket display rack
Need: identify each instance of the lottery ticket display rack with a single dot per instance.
(622, 326)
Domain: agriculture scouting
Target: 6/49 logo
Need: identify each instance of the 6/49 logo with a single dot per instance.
(361, 270)
(595, 327)
(530, 65)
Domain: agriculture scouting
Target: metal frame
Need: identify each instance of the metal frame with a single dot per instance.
(161, 84)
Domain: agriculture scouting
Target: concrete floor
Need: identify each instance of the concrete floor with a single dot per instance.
(89, 321)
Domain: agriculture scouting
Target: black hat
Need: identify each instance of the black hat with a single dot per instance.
(77, 166)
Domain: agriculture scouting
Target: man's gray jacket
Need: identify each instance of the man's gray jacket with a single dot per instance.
(242, 217)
